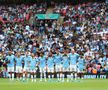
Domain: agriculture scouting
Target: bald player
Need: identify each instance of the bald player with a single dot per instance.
(73, 58)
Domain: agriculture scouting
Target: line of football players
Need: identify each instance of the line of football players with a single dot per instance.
(25, 65)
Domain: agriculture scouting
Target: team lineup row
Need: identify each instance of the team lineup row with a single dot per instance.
(71, 62)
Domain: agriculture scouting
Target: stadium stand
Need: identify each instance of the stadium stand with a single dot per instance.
(84, 27)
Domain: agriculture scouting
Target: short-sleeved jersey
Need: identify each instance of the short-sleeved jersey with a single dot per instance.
(33, 63)
(27, 60)
(50, 62)
(81, 63)
(18, 61)
(42, 61)
(73, 58)
(11, 60)
(57, 59)
(65, 61)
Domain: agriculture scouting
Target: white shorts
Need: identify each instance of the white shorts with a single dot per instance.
(73, 68)
(10, 69)
(58, 68)
(42, 69)
(18, 69)
(33, 70)
(26, 69)
(78, 70)
(65, 69)
(50, 70)
(107, 62)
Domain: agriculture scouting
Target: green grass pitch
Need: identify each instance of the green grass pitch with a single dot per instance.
(88, 84)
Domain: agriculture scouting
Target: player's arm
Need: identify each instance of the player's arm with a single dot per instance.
(46, 60)
(69, 57)
(15, 61)
(84, 64)
(78, 56)
(29, 62)
(7, 60)
(54, 60)
(77, 61)
(22, 61)
(62, 59)
(36, 62)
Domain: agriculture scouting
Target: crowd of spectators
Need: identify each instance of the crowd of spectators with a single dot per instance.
(84, 28)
